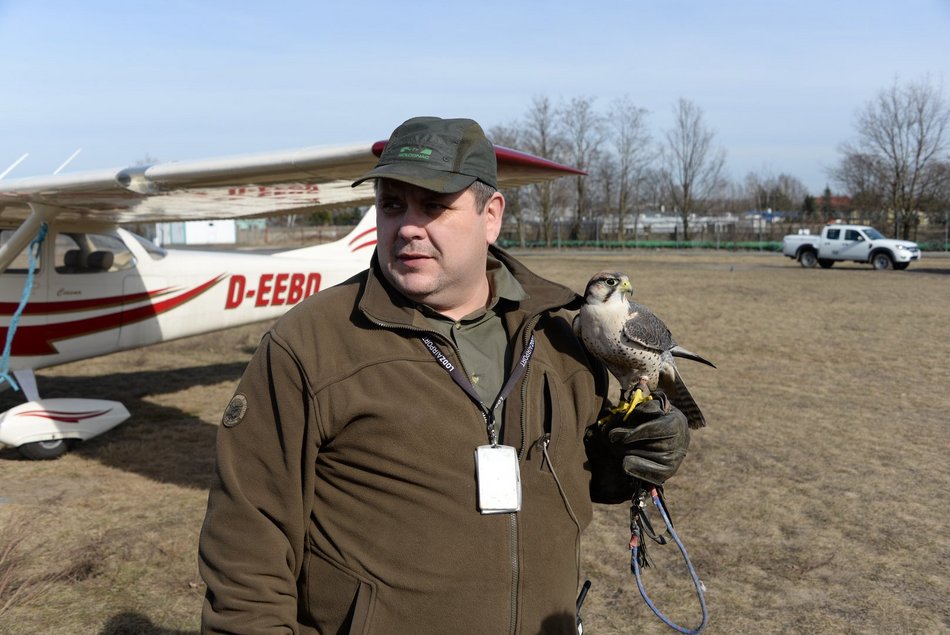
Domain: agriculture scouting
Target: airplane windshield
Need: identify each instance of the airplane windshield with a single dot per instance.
(21, 263)
(156, 252)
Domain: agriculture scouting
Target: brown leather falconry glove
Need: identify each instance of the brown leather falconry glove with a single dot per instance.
(648, 446)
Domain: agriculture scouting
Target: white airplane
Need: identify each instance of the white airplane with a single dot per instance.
(74, 284)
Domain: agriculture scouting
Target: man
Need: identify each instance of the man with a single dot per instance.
(405, 451)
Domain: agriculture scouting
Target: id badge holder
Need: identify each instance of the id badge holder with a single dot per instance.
(499, 479)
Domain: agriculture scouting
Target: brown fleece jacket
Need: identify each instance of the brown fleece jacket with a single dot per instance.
(344, 497)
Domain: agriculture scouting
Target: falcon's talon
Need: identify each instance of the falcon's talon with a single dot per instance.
(620, 408)
(637, 399)
(625, 407)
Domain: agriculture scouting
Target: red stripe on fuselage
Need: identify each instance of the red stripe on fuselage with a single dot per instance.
(38, 340)
(70, 306)
(368, 243)
(361, 235)
(63, 415)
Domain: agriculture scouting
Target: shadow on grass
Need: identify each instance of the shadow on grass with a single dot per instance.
(159, 442)
(934, 270)
(136, 624)
(913, 270)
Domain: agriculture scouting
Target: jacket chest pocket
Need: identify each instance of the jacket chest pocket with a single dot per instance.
(557, 448)
(561, 431)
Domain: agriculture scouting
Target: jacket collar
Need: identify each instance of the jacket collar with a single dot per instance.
(383, 304)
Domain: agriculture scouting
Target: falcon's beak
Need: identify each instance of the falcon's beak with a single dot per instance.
(625, 288)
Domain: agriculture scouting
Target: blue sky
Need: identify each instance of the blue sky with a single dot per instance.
(779, 82)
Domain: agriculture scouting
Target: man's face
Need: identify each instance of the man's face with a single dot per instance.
(432, 246)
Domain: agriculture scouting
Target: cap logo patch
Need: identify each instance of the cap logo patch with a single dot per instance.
(235, 411)
(413, 152)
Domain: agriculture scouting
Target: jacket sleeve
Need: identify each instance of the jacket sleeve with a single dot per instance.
(252, 542)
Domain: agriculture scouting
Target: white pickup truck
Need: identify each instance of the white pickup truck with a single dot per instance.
(856, 243)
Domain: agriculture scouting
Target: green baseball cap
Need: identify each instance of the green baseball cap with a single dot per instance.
(442, 155)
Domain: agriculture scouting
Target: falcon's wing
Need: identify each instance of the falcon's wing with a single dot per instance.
(647, 330)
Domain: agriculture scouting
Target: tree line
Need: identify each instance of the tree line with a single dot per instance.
(896, 169)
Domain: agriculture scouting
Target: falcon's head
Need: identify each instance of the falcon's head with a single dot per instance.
(608, 286)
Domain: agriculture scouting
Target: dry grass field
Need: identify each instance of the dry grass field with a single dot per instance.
(815, 502)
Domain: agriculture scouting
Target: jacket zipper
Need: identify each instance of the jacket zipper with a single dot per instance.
(515, 560)
(513, 517)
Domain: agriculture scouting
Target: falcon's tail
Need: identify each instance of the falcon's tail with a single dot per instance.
(679, 351)
(683, 400)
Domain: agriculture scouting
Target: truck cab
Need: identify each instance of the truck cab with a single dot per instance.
(845, 243)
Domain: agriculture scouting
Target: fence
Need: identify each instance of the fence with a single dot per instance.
(705, 234)
(298, 236)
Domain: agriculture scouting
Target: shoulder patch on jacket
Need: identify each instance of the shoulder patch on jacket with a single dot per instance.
(235, 411)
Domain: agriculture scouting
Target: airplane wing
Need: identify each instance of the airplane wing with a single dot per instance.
(293, 181)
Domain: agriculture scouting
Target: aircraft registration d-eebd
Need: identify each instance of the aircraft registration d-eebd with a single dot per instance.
(75, 284)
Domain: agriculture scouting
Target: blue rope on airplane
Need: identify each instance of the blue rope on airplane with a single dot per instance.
(33, 253)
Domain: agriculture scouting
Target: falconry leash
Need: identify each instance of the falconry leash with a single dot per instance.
(641, 526)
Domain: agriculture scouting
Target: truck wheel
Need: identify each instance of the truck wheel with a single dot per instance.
(808, 259)
(900, 266)
(825, 263)
(44, 450)
(881, 260)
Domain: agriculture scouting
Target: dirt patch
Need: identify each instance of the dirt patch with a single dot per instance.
(813, 503)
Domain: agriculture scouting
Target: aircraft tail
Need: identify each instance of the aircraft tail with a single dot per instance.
(359, 243)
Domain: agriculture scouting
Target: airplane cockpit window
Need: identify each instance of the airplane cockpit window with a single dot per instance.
(153, 250)
(20, 264)
(91, 253)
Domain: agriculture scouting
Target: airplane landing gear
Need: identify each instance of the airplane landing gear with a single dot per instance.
(44, 450)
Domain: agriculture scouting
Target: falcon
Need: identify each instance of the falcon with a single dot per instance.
(634, 345)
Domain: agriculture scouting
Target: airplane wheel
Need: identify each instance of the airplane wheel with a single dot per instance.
(44, 450)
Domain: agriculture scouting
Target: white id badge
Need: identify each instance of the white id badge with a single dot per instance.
(499, 480)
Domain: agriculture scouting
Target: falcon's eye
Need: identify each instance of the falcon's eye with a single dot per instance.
(611, 282)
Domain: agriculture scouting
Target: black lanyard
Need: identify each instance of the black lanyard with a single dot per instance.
(463, 382)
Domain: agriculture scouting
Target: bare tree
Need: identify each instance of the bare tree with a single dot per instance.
(635, 152)
(540, 137)
(902, 138)
(510, 136)
(861, 176)
(736, 196)
(781, 193)
(602, 181)
(939, 210)
(584, 134)
(793, 189)
(694, 168)
(757, 191)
